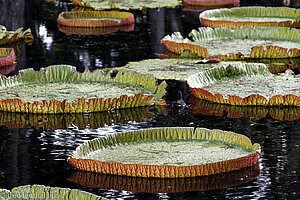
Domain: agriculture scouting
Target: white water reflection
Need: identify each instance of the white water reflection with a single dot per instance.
(46, 37)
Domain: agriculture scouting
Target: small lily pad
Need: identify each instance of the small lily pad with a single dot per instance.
(7, 56)
(60, 89)
(240, 43)
(251, 16)
(246, 84)
(125, 4)
(95, 18)
(166, 153)
(41, 192)
(166, 185)
(170, 69)
(7, 37)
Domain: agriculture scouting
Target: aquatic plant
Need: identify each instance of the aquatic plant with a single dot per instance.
(7, 37)
(41, 192)
(240, 43)
(166, 153)
(246, 84)
(251, 16)
(60, 89)
(92, 19)
(7, 56)
(125, 5)
(169, 69)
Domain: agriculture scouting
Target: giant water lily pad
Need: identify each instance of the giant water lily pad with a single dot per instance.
(81, 121)
(211, 2)
(168, 69)
(199, 106)
(60, 89)
(166, 185)
(251, 16)
(166, 153)
(246, 84)
(7, 37)
(7, 56)
(41, 192)
(95, 18)
(240, 43)
(125, 4)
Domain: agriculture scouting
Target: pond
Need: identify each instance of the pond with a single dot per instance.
(34, 148)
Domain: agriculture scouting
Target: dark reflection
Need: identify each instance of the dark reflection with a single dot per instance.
(81, 121)
(165, 185)
(253, 112)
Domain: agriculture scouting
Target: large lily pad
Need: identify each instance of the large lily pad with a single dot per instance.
(95, 18)
(168, 69)
(246, 84)
(7, 37)
(81, 121)
(60, 89)
(199, 106)
(211, 2)
(7, 56)
(41, 192)
(240, 43)
(166, 185)
(166, 153)
(251, 16)
(125, 4)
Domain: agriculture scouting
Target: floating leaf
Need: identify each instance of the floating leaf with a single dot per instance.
(7, 56)
(92, 19)
(166, 185)
(166, 69)
(251, 16)
(41, 192)
(166, 153)
(246, 84)
(125, 4)
(240, 43)
(60, 89)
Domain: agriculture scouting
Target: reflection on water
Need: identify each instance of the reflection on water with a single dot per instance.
(34, 148)
(165, 185)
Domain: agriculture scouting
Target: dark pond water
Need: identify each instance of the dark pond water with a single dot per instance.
(34, 149)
